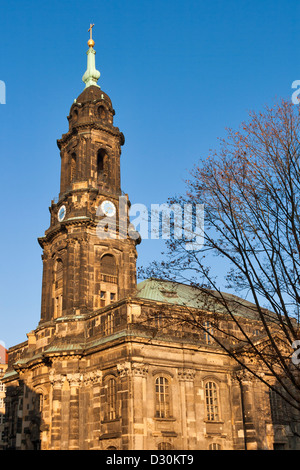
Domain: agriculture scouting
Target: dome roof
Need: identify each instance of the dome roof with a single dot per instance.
(93, 93)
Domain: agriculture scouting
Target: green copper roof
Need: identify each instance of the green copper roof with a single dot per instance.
(169, 292)
(175, 293)
(91, 75)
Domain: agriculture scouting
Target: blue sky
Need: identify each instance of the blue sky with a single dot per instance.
(178, 72)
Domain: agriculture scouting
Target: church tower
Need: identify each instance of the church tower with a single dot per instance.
(68, 386)
(89, 260)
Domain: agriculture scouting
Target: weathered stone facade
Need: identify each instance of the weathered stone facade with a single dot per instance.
(79, 384)
(91, 376)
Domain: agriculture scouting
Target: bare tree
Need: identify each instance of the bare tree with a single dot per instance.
(250, 188)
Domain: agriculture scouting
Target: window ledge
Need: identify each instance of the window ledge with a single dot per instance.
(171, 418)
(209, 421)
(104, 421)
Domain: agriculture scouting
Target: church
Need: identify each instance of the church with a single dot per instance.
(95, 374)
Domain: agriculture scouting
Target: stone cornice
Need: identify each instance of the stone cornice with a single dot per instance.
(61, 227)
(114, 131)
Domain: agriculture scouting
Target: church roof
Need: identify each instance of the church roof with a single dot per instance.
(159, 290)
(92, 93)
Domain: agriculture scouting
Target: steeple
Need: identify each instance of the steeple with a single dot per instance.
(82, 270)
(91, 149)
(91, 75)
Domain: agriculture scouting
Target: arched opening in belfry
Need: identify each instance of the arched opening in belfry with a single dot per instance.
(101, 164)
(108, 266)
(108, 286)
(102, 112)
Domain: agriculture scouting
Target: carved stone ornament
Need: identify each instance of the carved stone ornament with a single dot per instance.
(132, 369)
(186, 374)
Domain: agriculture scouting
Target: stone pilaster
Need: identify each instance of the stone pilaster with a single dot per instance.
(90, 410)
(56, 422)
(133, 378)
(139, 389)
(188, 417)
(245, 382)
(74, 381)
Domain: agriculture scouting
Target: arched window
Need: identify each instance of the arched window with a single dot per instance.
(162, 397)
(164, 446)
(109, 269)
(108, 265)
(101, 164)
(40, 402)
(75, 115)
(102, 112)
(58, 288)
(111, 399)
(212, 401)
(214, 446)
(106, 275)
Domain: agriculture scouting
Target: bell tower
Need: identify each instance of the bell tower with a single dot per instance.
(89, 259)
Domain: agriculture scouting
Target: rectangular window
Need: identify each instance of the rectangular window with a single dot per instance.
(208, 331)
(58, 306)
(102, 299)
(162, 396)
(279, 407)
(211, 400)
(158, 320)
(111, 399)
(109, 324)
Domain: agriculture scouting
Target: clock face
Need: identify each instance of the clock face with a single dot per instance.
(108, 208)
(61, 213)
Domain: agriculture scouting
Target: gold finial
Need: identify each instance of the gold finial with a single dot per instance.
(91, 41)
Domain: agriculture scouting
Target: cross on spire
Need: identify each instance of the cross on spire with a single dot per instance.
(90, 30)
(91, 75)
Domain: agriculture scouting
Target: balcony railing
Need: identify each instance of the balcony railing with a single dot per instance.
(109, 278)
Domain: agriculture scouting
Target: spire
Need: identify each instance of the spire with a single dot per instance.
(91, 75)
